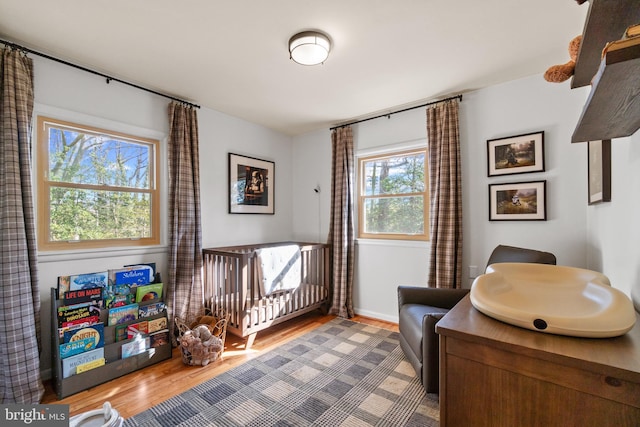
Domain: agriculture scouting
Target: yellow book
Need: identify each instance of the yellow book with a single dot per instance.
(620, 44)
(90, 365)
(632, 31)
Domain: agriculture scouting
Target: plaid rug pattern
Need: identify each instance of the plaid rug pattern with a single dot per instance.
(341, 374)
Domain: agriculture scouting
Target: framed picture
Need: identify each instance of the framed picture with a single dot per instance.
(251, 185)
(518, 201)
(599, 171)
(516, 154)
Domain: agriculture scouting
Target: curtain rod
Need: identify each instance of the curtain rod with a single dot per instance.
(459, 97)
(108, 78)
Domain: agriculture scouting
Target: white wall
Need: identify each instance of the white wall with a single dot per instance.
(599, 237)
(518, 107)
(613, 227)
(522, 106)
(74, 95)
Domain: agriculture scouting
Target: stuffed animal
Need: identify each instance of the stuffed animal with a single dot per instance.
(209, 320)
(200, 346)
(560, 73)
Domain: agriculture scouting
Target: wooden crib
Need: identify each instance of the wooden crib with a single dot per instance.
(231, 284)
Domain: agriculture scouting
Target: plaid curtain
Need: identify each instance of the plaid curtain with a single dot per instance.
(185, 293)
(20, 296)
(341, 236)
(445, 213)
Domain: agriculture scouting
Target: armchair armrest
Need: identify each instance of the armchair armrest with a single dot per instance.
(434, 297)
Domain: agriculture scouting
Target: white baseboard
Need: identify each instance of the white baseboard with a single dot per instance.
(376, 315)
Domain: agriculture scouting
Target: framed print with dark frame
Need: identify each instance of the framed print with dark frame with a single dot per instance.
(251, 185)
(516, 154)
(518, 201)
(599, 171)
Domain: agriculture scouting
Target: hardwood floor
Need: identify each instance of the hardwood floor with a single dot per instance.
(140, 390)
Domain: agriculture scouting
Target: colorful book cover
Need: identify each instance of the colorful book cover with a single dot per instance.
(148, 264)
(135, 329)
(137, 346)
(159, 338)
(70, 363)
(121, 332)
(76, 347)
(73, 313)
(64, 329)
(118, 300)
(86, 281)
(135, 275)
(84, 321)
(157, 324)
(93, 295)
(122, 314)
(149, 292)
(151, 309)
(96, 332)
(90, 365)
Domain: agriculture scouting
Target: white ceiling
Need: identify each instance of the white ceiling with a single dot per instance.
(232, 56)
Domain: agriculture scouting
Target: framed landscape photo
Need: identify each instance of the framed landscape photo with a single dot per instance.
(518, 201)
(251, 185)
(599, 171)
(516, 154)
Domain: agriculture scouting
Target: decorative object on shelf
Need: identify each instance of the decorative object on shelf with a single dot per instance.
(251, 185)
(518, 201)
(516, 154)
(309, 48)
(202, 340)
(563, 72)
(599, 171)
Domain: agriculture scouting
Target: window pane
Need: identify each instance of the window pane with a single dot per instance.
(78, 214)
(394, 175)
(77, 157)
(396, 215)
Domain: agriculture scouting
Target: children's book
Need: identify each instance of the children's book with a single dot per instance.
(134, 275)
(159, 338)
(76, 347)
(73, 313)
(90, 365)
(157, 324)
(95, 332)
(70, 363)
(79, 322)
(122, 314)
(118, 300)
(151, 309)
(135, 329)
(136, 346)
(149, 292)
(92, 295)
(121, 332)
(81, 281)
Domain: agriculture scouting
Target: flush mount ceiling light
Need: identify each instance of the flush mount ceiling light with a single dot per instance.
(309, 48)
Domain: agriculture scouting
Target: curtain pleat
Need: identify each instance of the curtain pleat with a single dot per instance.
(185, 293)
(445, 212)
(341, 234)
(20, 380)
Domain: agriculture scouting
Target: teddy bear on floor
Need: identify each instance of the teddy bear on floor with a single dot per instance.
(200, 346)
(561, 73)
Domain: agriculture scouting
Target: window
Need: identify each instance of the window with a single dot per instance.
(393, 196)
(96, 188)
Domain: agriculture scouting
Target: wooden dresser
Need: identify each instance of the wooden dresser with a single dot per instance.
(495, 374)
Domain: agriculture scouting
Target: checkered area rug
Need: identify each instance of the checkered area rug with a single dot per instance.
(341, 374)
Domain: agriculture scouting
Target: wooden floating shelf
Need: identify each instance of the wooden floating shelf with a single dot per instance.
(606, 21)
(613, 107)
